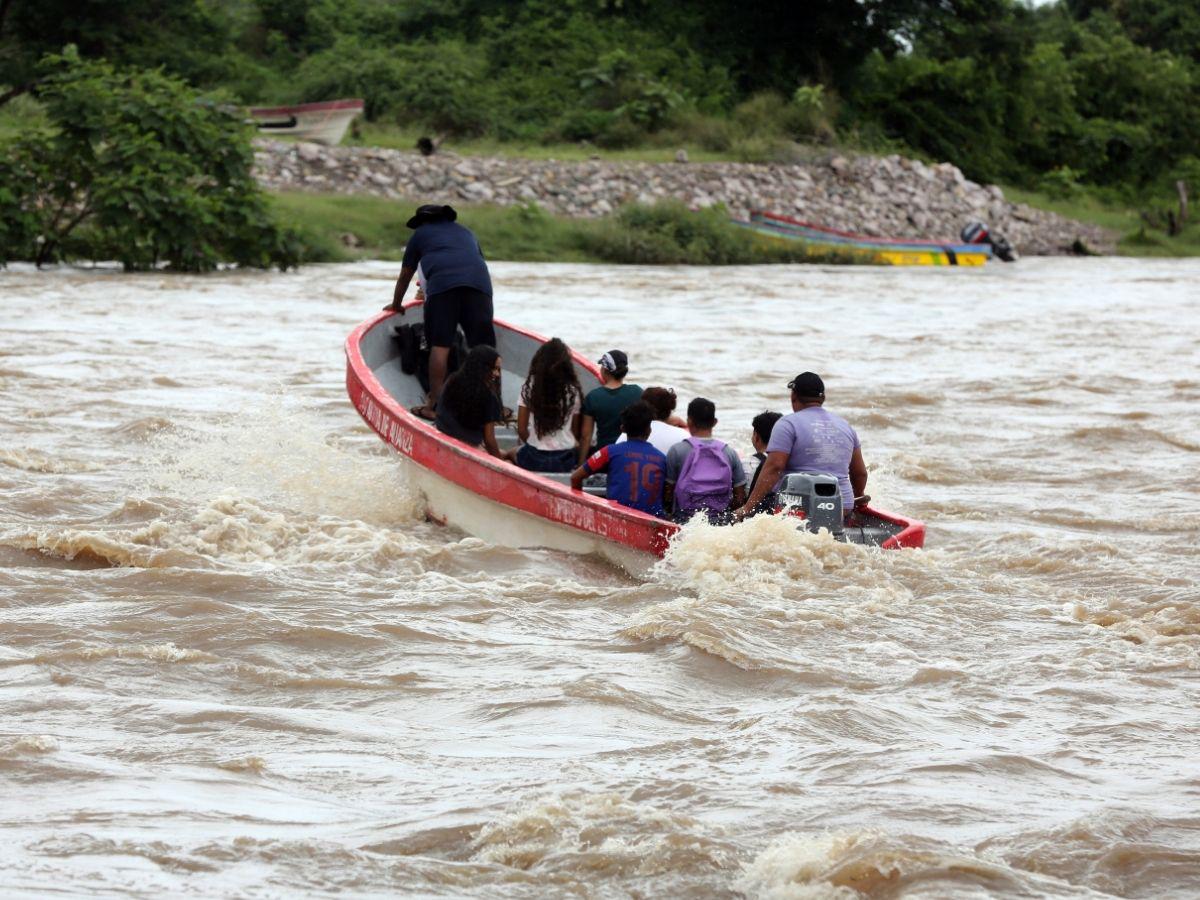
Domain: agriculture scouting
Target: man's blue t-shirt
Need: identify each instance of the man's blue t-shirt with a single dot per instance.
(449, 256)
(635, 474)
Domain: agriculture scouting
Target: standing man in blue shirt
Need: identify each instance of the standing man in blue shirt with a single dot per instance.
(458, 289)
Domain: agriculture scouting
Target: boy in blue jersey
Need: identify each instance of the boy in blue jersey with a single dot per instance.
(635, 467)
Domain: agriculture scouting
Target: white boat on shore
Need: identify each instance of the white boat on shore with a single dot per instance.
(503, 504)
(322, 123)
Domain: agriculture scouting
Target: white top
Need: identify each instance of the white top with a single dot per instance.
(663, 436)
(564, 438)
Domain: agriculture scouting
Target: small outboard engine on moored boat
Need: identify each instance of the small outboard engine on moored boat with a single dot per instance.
(820, 498)
(978, 233)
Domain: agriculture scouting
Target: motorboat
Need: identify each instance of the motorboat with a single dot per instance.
(321, 123)
(889, 251)
(495, 500)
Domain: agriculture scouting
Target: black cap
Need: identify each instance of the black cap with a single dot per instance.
(808, 384)
(431, 213)
(614, 361)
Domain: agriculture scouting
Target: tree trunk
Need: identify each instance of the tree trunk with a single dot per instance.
(1181, 187)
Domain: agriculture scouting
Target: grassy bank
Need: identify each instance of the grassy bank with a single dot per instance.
(1137, 237)
(339, 228)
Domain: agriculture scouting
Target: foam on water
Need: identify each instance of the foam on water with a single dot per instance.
(755, 592)
(279, 450)
(602, 834)
(34, 461)
(227, 530)
(842, 865)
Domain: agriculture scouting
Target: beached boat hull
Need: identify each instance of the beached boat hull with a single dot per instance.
(465, 487)
(889, 251)
(322, 123)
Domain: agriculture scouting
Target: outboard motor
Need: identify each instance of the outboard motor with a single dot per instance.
(819, 496)
(978, 233)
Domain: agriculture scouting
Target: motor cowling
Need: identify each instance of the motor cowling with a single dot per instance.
(978, 233)
(818, 496)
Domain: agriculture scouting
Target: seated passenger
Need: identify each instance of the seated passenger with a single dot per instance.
(602, 407)
(702, 472)
(548, 415)
(760, 436)
(469, 406)
(812, 439)
(664, 434)
(635, 468)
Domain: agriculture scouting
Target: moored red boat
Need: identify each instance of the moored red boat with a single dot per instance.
(501, 503)
(323, 123)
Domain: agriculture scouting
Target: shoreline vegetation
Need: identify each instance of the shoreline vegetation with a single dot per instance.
(122, 125)
(339, 227)
(344, 228)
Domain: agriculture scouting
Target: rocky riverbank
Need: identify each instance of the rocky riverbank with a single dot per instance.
(888, 196)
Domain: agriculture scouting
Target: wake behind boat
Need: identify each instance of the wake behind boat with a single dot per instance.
(506, 505)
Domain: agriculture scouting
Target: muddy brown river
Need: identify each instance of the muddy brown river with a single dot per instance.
(236, 661)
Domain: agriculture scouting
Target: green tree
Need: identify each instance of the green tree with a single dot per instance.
(1172, 25)
(188, 37)
(135, 167)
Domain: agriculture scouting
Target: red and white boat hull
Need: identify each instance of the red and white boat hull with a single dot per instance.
(495, 500)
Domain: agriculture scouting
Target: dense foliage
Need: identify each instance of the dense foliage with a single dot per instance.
(134, 167)
(1093, 92)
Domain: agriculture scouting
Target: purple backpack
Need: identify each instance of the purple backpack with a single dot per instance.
(706, 480)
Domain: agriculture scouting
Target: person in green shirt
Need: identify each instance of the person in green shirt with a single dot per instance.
(603, 406)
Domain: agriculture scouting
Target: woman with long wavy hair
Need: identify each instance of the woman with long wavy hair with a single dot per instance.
(469, 406)
(548, 415)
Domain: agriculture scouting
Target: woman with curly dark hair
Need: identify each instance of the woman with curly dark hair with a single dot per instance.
(548, 415)
(469, 406)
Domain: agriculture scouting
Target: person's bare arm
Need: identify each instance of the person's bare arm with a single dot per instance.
(489, 440)
(406, 275)
(523, 424)
(858, 475)
(577, 478)
(585, 437)
(739, 496)
(772, 469)
(576, 426)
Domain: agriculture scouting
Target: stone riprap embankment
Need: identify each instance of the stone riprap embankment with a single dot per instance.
(887, 196)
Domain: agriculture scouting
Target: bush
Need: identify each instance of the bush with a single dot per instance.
(769, 115)
(1061, 183)
(134, 168)
(813, 111)
(668, 233)
(621, 132)
(580, 125)
(709, 132)
(438, 85)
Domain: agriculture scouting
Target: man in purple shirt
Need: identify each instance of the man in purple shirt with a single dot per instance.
(812, 439)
